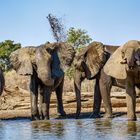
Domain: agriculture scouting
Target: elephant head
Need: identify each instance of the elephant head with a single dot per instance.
(125, 59)
(47, 60)
(88, 63)
(90, 59)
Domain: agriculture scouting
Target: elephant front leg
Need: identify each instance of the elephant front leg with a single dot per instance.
(78, 78)
(41, 92)
(59, 92)
(105, 83)
(130, 99)
(34, 99)
(97, 101)
(45, 103)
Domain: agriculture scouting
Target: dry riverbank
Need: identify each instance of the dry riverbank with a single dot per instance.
(15, 100)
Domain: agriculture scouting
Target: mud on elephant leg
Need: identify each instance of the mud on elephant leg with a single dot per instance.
(59, 91)
(131, 99)
(97, 100)
(34, 98)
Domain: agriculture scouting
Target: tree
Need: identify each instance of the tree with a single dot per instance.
(6, 48)
(78, 37)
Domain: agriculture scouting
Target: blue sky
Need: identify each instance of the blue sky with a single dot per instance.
(109, 21)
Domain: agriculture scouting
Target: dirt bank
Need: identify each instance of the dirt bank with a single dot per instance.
(15, 100)
(18, 104)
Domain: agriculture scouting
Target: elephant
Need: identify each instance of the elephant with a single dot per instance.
(125, 62)
(2, 81)
(45, 64)
(89, 63)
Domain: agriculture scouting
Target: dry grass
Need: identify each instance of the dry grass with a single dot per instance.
(12, 80)
(87, 86)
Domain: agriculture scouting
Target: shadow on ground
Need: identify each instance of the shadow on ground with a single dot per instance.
(86, 115)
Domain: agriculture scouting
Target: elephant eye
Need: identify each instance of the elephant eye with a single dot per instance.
(123, 54)
(49, 50)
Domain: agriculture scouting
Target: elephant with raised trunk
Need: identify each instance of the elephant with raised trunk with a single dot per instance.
(126, 68)
(45, 65)
(89, 64)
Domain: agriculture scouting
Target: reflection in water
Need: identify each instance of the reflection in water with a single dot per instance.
(131, 127)
(70, 129)
(51, 127)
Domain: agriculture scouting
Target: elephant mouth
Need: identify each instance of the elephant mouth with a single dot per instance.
(137, 63)
(132, 68)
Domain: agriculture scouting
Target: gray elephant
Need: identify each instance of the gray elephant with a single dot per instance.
(2, 81)
(89, 64)
(45, 65)
(126, 69)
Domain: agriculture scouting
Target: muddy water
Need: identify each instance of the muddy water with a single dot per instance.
(70, 129)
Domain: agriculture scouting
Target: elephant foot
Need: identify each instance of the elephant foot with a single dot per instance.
(35, 117)
(132, 118)
(77, 116)
(62, 113)
(46, 118)
(107, 116)
(95, 115)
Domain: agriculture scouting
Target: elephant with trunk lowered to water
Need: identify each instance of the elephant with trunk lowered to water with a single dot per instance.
(45, 65)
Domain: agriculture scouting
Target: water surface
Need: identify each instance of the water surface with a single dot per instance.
(70, 129)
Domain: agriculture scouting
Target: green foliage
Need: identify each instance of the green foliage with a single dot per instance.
(70, 72)
(78, 37)
(6, 48)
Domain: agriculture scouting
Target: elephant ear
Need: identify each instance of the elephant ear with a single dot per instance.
(95, 58)
(113, 66)
(21, 60)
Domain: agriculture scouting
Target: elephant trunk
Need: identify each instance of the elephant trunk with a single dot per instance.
(77, 86)
(43, 63)
(130, 59)
(45, 77)
(130, 63)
